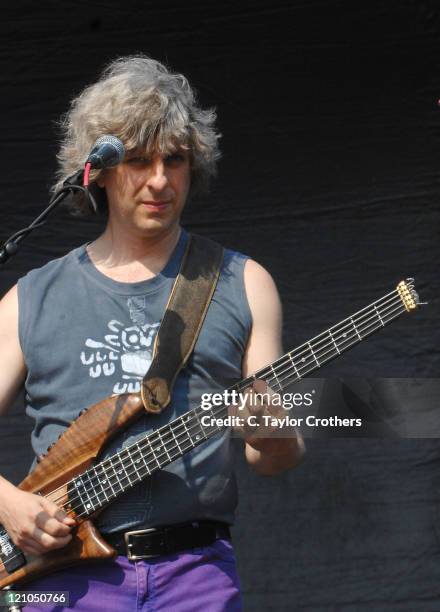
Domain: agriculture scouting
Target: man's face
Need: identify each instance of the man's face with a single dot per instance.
(146, 195)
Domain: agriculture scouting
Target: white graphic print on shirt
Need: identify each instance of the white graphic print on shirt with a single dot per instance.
(127, 349)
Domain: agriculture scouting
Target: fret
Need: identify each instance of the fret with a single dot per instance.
(123, 470)
(176, 451)
(334, 341)
(212, 428)
(171, 447)
(103, 482)
(344, 335)
(136, 468)
(378, 314)
(313, 354)
(355, 328)
(186, 429)
(114, 493)
(163, 444)
(152, 450)
(98, 477)
(115, 475)
(201, 431)
(294, 366)
(142, 458)
(188, 446)
(89, 487)
(175, 439)
(80, 483)
(275, 376)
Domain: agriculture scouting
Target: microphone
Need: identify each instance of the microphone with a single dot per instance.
(107, 151)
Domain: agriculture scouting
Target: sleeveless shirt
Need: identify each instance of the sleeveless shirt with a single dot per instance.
(85, 336)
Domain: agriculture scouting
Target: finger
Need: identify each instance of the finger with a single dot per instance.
(53, 543)
(47, 541)
(254, 405)
(56, 512)
(30, 545)
(236, 408)
(61, 516)
(232, 410)
(260, 386)
(51, 525)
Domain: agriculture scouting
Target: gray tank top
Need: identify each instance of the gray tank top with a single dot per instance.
(85, 336)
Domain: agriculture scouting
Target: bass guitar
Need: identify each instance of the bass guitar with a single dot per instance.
(71, 475)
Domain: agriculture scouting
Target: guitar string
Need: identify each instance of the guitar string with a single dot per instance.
(396, 312)
(294, 355)
(348, 321)
(181, 426)
(139, 474)
(276, 378)
(184, 429)
(221, 409)
(287, 358)
(335, 340)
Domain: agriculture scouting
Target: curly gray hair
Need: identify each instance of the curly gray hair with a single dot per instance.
(149, 108)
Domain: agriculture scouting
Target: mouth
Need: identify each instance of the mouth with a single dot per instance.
(155, 206)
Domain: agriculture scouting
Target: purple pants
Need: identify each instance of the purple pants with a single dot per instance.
(203, 579)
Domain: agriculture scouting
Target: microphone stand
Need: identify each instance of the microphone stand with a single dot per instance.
(72, 183)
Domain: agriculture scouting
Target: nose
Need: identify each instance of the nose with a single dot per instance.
(157, 178)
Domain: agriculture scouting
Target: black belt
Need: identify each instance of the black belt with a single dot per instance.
(154, 542)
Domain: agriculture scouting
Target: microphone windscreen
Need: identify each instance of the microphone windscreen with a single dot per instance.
(107, 151)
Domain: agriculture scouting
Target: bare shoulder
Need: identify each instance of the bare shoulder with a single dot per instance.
(261, 291)
(9, 306)
(12, 366)
(254, 272)
(264, 344)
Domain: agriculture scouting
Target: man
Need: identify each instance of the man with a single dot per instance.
(82, 328)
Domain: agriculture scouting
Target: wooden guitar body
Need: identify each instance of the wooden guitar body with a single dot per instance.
(86, 544)
(75, 451)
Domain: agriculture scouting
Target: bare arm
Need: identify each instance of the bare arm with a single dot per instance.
(33, 522)
(266, 456)
(12, 366)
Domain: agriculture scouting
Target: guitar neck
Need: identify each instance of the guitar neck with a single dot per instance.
(103, 483)
(331, 343)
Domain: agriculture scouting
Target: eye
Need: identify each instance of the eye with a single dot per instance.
(138, 161)
(175, 158)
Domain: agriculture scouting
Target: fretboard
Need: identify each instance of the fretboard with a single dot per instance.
(103, 483)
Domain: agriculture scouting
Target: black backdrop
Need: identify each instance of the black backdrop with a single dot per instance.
(329, 178)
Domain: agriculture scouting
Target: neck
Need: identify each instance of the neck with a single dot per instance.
(148, 254)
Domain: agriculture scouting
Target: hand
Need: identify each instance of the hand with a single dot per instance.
(257, 421)
(34, 523)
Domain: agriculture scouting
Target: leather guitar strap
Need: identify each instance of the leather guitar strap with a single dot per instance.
(183, 319)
